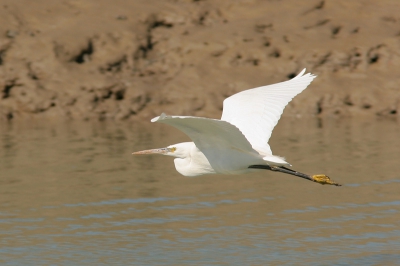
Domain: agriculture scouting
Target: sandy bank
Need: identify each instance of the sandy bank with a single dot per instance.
(98, 59)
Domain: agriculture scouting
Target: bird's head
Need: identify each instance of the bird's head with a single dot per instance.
(180, 150)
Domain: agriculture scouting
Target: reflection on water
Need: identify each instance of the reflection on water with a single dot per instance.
(72, 194)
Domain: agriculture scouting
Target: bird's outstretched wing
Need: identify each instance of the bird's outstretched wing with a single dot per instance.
(225, 147)
(257, 111)
(208, 133)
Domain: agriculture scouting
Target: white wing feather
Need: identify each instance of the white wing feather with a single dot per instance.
(208, 133)
(257, 111)
(225, 147)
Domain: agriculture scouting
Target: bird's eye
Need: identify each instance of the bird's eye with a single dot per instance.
(172, 149)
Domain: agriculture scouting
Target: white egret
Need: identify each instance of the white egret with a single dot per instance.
(238, 143)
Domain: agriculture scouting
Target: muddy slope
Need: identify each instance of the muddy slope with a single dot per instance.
(94, 59)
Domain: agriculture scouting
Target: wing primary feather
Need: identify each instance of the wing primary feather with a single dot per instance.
(256, 111)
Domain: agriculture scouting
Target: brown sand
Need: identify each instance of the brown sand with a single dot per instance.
(98, 59)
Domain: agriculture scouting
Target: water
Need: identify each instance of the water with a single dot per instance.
(72, 194)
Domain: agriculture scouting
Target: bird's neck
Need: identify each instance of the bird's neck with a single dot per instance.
(194, 163)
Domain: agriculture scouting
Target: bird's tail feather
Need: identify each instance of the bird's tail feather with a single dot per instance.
(276, 160)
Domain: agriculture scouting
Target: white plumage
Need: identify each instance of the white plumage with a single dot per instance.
(257, 111)
(238, 143)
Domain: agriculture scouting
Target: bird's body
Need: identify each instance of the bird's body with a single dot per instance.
(195, 162)
(238, 143)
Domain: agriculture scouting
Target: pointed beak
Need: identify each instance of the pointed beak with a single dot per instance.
(153, 151)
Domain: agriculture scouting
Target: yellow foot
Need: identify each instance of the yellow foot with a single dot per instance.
(323, 180)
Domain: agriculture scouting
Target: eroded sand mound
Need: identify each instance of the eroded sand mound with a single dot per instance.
(99, 59)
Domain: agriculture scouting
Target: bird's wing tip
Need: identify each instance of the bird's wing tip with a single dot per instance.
(160, 117)
(155, 119)
(301, 74)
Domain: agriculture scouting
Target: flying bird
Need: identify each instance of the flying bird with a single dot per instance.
(238, 143)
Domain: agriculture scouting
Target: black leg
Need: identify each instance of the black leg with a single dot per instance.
(322, 179)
